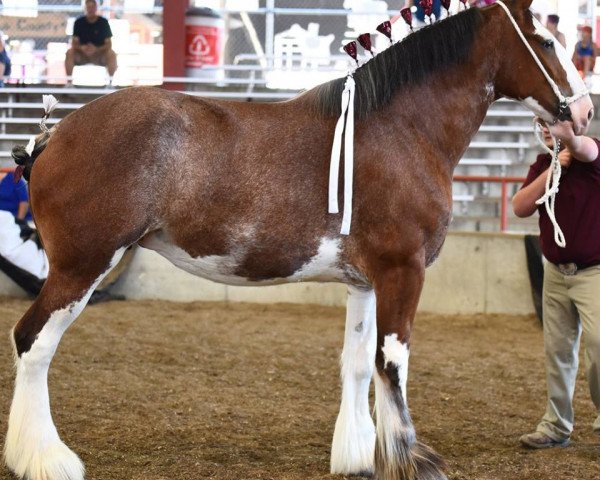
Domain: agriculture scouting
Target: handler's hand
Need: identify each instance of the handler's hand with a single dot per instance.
(565, 158)
(563, 131)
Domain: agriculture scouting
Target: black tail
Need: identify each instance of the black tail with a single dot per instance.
(24, 159)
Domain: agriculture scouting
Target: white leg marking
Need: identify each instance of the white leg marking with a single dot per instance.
(33, 449)
(396, 353)
(390, 426)
(353, 444)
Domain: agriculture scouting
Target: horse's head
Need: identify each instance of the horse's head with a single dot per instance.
(535, 69)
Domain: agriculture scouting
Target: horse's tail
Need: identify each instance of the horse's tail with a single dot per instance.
(24, 157)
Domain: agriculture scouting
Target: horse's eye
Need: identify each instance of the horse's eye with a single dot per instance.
(548, 44)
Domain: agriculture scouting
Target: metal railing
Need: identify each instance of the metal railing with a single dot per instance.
(504, 182)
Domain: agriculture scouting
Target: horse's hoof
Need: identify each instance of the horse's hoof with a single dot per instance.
(55, 462)
(363, 474)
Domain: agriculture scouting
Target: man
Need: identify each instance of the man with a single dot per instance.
(571, 303)
(584, 56)
(91, 41)
(552, 26)
(14, 197)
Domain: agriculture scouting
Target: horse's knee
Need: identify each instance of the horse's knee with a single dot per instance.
(42, 324)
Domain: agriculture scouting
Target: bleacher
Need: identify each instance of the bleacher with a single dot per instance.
(503, 147)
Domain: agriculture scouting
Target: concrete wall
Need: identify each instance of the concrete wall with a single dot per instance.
(475, 273)
(479, 273)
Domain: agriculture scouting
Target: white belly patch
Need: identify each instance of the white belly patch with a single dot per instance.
(324, 266)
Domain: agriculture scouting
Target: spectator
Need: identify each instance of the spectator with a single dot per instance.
(570, 299)
(584, 56)
(14, 197)
(91, 41)
(22, 256)
(552, 26)
(5, 65)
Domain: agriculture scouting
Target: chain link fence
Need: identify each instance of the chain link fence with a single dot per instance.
(37, 33)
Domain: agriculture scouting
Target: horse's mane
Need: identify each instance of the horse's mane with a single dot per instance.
(409, 62)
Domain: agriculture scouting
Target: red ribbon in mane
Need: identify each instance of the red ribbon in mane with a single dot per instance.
(365, 41)
(18, 173)
(350, 49)
(407, 16)
(386, 29)
(427, 6)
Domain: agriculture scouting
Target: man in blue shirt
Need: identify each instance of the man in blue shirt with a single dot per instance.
(91, 41)
(14, 197)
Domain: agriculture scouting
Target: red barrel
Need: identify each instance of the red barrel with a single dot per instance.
(204, 41)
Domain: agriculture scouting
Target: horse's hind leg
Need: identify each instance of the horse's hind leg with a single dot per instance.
(354, 437)
(398, 454)
(33, 449)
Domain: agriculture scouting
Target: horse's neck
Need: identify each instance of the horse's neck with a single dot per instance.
(445, 112)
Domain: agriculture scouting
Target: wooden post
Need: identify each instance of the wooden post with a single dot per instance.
(174, 41)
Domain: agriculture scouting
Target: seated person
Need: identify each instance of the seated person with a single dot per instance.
(586, 51)
(5, 65)
(91, 41)
(22, 257)
(14, 197)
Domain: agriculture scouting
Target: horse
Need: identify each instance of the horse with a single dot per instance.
(238, 192)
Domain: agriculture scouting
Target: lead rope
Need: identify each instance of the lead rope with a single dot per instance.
(552, 182)
(553, 178)
(345, 122)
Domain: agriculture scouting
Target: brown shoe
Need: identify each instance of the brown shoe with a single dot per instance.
(541, 440)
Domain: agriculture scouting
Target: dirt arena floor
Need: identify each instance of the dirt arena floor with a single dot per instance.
(155, 390)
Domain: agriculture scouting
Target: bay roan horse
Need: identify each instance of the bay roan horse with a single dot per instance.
(237, 193)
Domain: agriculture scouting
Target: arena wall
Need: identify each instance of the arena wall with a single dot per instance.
(475, 273)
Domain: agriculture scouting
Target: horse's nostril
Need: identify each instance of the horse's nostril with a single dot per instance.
(590, 114)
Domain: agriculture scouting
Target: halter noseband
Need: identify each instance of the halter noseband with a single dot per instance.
(563, 109)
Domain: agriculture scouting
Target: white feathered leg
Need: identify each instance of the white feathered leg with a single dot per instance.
(353, 445)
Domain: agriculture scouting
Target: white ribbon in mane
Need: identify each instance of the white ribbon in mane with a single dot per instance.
(345, 122)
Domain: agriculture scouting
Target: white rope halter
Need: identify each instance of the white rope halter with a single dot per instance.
(553, 178)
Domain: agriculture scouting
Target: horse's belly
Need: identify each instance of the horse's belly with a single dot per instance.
(324, 266)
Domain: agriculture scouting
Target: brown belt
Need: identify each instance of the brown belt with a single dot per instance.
(572, 268)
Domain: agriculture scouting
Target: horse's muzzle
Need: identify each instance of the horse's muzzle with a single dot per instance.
(565, 114)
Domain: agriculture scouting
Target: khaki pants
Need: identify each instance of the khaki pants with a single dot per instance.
(571, 305)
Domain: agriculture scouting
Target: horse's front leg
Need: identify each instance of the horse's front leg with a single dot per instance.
(398, 455)
(353, 445)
